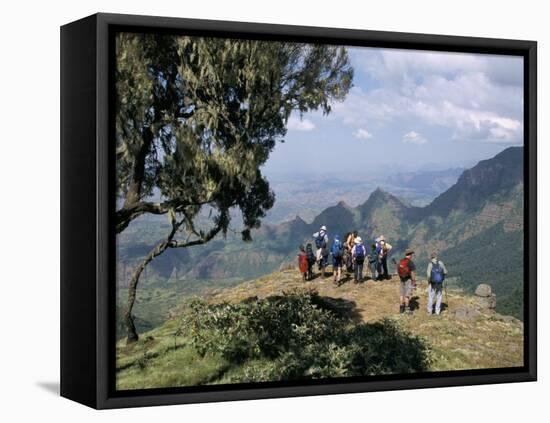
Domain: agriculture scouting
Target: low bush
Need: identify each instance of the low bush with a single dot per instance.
(293, 336)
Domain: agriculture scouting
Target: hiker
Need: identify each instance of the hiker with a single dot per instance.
(384, 249)
(302, 262)
(347, 253)
(378, 258)
(436, 273)
(350, 238)
(373, 261)
(358, 253)
(310, 261)
(321, 243)
(407, 274)
(337, 251)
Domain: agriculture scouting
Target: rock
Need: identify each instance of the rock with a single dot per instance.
(484, 290)
(287, 266)
(465, 313)
(489, 302)
(510, 319)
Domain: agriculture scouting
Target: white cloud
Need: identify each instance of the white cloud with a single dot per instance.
(394, 64)
(297, 124)
(362, 134)
(476, 97)
(414, 138)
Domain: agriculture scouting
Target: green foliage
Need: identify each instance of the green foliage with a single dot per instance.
(495, 257)
(294, 337)
(511, 303)
(197, 117)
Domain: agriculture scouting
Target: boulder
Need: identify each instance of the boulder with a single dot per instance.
(287, 266)
(487, 302)
(465, 313)
(510, 319)
(484, 290)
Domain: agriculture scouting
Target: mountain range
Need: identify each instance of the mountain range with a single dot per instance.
(476, 226)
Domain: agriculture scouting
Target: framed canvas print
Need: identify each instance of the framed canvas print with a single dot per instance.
(255, 211)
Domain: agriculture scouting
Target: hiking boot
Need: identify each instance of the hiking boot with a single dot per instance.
(401, 309)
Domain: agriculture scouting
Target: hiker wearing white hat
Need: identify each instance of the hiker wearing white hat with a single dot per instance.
(348, 244)
(321, 243)
(383, 249)
(358, 253)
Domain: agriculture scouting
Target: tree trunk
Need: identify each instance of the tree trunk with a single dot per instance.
(132, 287)
(156, 251)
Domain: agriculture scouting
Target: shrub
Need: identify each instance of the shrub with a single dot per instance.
(293, 336)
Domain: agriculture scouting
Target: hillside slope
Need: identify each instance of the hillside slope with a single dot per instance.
(466, 336)
(476, 226)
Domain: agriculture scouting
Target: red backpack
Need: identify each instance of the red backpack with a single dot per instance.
(403, 269)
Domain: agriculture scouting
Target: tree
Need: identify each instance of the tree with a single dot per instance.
(195, 120)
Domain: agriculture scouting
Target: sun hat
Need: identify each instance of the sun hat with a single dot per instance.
(323, 228)
(409, 251)
(381, 238)
(433, 254)
(358, 240)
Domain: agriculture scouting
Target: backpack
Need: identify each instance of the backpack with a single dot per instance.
(310, 256)
(337, 249)
(437, 275)
(403, 269)
(320, 241)
(359, 253)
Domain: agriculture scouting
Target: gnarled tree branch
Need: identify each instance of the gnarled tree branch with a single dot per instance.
(157, 250)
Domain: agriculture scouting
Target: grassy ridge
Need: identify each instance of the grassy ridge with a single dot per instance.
(266, 330)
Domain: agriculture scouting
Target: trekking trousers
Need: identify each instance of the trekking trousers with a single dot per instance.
(435, 291)
(384, 266)
(358, 270)
(373, 267)
(318, 254)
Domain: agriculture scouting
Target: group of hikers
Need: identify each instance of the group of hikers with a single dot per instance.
(351, 254)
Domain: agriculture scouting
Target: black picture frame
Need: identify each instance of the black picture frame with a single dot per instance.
(87, 208)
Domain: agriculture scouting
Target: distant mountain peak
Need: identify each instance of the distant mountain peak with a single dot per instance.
(379, 191)
(343, 204)
(499, 174)
(379, 195)
(298, 219)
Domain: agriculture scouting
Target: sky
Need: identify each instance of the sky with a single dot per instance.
(410, 110)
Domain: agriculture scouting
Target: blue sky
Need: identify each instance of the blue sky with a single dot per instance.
(410, 110)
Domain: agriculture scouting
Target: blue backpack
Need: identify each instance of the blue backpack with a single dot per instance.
(320, 241)
(360, 252)
(337, 249)
(437, 275)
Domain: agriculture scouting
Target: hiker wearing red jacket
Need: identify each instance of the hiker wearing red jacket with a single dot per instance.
(407, 274)
(302, 262)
